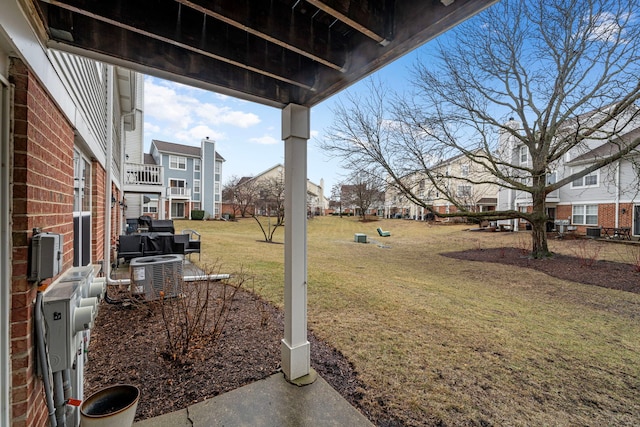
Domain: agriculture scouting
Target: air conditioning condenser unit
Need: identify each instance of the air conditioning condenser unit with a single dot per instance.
(157, 276)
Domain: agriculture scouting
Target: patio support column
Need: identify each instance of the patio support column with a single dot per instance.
(295, 349)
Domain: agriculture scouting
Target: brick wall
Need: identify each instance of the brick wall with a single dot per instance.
(42, 197)
(98, 178)
(606, 215)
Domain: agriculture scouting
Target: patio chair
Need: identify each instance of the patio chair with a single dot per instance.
(180, 243)
(193, 244)
(383, 233)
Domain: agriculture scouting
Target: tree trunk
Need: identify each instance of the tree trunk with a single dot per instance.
(539, 245)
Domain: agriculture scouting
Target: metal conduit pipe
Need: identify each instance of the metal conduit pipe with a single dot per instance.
(66, 385)
(115, 282)
(44, 363)
(58, 397)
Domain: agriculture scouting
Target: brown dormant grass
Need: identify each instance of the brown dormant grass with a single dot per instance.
(468, 343)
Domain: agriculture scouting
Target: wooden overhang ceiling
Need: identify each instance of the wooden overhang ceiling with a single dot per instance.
(271, 51)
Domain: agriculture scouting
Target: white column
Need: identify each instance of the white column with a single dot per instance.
(296, 359)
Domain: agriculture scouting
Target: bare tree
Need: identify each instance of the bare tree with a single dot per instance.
(270, 205)
(335, 202)
(547, 80)
(242, 193)
(363, 190)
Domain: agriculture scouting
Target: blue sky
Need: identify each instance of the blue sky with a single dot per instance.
(247, 134)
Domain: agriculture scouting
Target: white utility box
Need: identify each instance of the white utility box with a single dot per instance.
(67, 315)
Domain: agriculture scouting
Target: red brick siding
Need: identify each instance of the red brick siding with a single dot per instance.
(42, 197)
(606, 215)
(98, 179)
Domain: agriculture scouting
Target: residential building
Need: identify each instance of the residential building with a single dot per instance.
(317, 203)
(468, 183)
(352, 194)
(174, 179)
(64, 120)
(607, 197)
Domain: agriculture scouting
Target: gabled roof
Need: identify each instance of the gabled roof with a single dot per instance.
(181, 149)
(265, 172)
(148, 159)
(608, 148)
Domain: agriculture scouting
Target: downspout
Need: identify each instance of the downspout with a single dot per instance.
(617, 216)
(6, 93)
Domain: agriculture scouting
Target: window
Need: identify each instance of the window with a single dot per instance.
(463, 191)
(523, 209)
(464, 170)
(178, 162)
(585, 214)
(589, 180)
(196, 165)
(81, 210)
(177, 187)
(524, 155)
(551, 178)
(150, 207)
(177, 210)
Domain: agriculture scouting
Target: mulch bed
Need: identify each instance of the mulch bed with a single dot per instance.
(606, 274)
(129, 343)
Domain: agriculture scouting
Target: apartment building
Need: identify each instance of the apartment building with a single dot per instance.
(174, 179)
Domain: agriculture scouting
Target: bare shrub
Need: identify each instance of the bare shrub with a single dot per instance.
(587, 251)
(196, 318)
(631, 255)
(524, 243)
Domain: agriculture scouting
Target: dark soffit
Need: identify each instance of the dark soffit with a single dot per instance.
(274, 52)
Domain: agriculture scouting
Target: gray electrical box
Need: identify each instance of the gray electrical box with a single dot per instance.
(46, 256)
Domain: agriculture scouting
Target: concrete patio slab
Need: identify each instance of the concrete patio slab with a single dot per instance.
(272, 402)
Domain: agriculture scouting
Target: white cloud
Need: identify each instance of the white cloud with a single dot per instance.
(606, 28)
(225, 115)
(151, 128)
(197, 133)
(265, 140)
(185, 112)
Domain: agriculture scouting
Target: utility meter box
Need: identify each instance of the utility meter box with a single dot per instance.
(46, 256)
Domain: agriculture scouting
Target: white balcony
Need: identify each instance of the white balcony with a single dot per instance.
(178, 193)
(553, 197)
(143, 178)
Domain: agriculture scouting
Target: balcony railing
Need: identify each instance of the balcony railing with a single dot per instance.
(178, 192)
(141, 174)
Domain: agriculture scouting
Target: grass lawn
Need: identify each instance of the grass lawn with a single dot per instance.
(462, 342)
